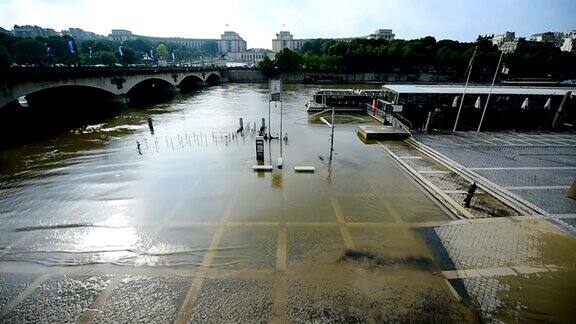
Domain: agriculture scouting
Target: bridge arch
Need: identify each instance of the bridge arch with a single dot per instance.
(191, 82)
(153, 82)
(151, 88)
(213, 78)
(9, 95)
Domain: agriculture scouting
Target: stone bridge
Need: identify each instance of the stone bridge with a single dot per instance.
(23, 81)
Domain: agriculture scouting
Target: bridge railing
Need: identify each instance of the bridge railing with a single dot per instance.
(31, 73)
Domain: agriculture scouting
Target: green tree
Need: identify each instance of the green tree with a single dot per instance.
(130, 56)
(288, 60)
(5, 58)
(267, 67)
(162, 51)
(28, 50)
(104, 57)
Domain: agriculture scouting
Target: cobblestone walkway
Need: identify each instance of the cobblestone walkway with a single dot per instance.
(537, 166)
(445, 182)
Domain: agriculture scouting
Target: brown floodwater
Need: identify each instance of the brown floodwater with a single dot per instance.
(335, 244)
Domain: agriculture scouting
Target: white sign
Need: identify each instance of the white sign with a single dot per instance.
(397, 108)
(275, 90)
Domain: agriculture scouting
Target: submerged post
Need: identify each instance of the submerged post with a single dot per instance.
(151, 125)
(259, 148)
(332, 135)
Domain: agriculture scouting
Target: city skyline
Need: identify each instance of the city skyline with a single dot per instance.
(258, 23)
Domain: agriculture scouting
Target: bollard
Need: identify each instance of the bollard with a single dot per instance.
(263, 127)
(572, 192)
(470, 194)
(259, 148)
(150, 125)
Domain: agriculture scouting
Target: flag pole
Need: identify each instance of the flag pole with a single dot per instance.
(490, 92)
(465, 88)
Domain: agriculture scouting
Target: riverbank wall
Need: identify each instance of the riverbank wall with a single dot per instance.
(256, 76)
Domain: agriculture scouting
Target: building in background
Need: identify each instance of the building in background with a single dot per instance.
(284, 39)
(121, 35)
(384, 34)
(82, 35)
(508, 42)
(229, 42)
(507, 37)
(33, 31)
(251, 56)
(569, 45)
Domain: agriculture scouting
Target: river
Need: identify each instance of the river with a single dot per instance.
(116, 195)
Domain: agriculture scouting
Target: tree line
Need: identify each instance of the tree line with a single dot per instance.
(421, 55)
(54, 50)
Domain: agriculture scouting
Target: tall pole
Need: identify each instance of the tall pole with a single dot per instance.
(269, 119)
(559, 111)
(332, 136)
(465, 87)
(490, 92)
(280, 137)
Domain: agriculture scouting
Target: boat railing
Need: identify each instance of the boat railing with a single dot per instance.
(392, 118)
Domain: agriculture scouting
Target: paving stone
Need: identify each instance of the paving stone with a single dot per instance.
(247, 247)
(489, 244)
(529, 270)
(469, 149)
(12, 284)
(491, 272)
(313, 245)
(320, 302)
(59, 300)
(484, 292)
(144, 299)
(234, 301)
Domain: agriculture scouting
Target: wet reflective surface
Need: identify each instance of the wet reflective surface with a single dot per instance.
(89, 196)
(115, 224)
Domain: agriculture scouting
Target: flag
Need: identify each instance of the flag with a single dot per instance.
(48, 51)
(548, 103)
(90, 51)
(173, 57)
(525, 104)
(72, 46)
(151, 53)
(455, 102)
(477, 103)
(120, 51)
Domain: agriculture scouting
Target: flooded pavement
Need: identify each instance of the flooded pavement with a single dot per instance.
(181, 229)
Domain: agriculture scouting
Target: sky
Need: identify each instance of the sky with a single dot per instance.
(258, 21)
